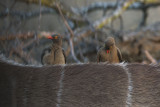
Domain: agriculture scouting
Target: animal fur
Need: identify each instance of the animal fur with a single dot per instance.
(85, 85)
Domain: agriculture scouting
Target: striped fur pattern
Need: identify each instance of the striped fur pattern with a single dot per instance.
(79, 85)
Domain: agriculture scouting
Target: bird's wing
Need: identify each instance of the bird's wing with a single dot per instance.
(119, 55)
(43, 54)
(64, 55)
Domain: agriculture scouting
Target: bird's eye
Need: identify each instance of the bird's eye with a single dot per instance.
(56, 37)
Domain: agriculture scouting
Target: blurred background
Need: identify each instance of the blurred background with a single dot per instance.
(135, 25)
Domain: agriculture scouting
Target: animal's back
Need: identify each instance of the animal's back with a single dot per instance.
(81, 85)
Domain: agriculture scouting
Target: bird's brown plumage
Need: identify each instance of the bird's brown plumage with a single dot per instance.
(54, 54)
(109, 52)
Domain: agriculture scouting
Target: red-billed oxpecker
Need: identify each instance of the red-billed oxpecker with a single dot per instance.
(54, 54)
(109, 52)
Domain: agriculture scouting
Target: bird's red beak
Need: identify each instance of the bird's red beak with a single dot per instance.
(50, 37)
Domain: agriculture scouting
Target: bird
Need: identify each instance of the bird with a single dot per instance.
(55, 53)
(109, 52)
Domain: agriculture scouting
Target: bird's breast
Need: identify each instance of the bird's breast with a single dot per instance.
(59, 57)
(105, 56)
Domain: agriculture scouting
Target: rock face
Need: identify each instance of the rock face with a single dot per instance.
(81, 85)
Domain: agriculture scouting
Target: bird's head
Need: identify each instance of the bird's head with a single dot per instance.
(109, 43)
(56, 38)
